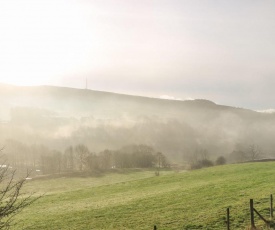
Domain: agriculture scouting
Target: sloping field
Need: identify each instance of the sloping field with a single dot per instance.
(139, 200)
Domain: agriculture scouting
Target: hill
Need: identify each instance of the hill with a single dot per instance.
(57, 117)
(139, 200)
(81, 102)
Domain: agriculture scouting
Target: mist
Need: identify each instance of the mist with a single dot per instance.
(59, 117)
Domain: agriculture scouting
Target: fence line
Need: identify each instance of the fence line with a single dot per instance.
(252, 216)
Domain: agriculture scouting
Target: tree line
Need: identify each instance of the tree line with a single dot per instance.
(80, 158)
(242, 153)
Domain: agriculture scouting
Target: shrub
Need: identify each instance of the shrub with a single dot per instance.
(220, 160)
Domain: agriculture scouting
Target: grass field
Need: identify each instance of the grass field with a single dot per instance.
(139, 200)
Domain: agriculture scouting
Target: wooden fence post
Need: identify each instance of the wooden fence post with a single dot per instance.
(155, 227)
(271, 207)
(252, 214)
(227, 219)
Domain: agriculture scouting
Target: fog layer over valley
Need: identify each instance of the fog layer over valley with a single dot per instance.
(58, 117)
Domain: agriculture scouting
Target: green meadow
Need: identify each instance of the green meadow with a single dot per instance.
(139, 200)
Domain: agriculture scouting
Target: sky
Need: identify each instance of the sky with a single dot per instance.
(223, 51)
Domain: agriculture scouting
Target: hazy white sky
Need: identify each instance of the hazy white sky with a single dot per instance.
(219, 50)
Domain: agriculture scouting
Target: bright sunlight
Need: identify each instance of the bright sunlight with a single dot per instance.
(40, 40)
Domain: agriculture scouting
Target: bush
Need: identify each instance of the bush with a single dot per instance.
(202, 164)
(221, 160)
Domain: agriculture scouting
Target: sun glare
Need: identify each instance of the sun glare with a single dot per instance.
(40, 41)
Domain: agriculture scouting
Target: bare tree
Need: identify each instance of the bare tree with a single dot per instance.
(68, 159)
(254, 152)
(105, 159)
(82, 152)
(161, 159)
(11, 199)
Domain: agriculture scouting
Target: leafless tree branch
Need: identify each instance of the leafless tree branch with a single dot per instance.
(12, 201)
